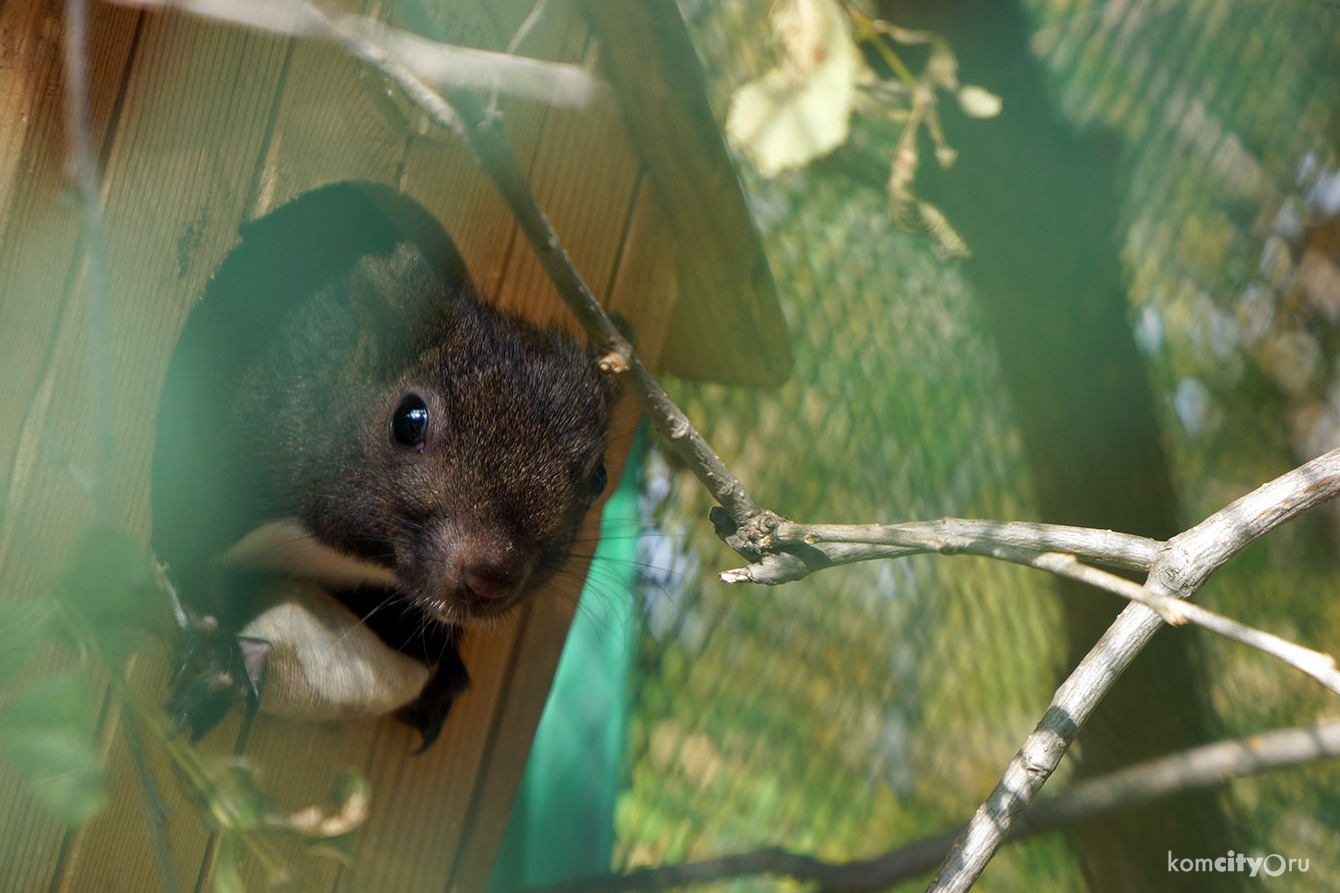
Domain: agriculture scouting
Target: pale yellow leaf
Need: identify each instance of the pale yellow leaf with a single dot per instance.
(978, 102)
(800, 110)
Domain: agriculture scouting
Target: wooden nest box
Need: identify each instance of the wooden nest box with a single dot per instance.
(201, 128)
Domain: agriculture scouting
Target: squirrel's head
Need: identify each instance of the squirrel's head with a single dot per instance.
(479, 454)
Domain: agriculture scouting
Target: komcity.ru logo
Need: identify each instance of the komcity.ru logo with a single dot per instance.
(1273, 865)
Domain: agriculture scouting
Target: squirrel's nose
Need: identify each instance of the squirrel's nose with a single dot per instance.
(490, 581)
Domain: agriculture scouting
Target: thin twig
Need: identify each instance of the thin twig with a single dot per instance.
(442, 64)
(951, 535)
(153, 805)
(84, 166)
(1206, 766)
(514, 45)
(533, 19)
(948, 536)
(1048, 547)
(462, 112)
(1319, 666)
(1182, 567)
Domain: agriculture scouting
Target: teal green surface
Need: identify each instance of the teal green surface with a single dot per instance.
(562, 824)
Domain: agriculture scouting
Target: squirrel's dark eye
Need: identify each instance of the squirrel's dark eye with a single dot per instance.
(409, 423)
(597, 483)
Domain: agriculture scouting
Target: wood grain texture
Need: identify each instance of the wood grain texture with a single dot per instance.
(728, 325)
(214, 126)
(328, 128)
(39, 230)
(193, 119)
(646, 283)
(37, 248)
(439, 173)
(583, 178)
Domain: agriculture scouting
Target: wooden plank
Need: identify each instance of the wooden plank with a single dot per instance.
(440, 174)
(30, 46)
(645, 268)
(583, 177)
(411, 843)
(37, 244)
(445, 181)
(416, 846)
(39, 230)
(194, 116)
(328, 129)
(538, 649)
(181, 173)
(728, 325)
(646, 285)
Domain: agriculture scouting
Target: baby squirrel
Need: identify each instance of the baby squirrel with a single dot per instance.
(420, 456)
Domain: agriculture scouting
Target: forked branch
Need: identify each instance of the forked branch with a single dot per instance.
(780, 550)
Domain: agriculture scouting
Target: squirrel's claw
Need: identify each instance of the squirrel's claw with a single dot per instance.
(214, 671)
(429, 711)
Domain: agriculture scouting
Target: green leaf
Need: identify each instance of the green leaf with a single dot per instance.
(339, 849)
(23, 626)
(227, 870)
(47, 731)
(237, 803)
(113, 586)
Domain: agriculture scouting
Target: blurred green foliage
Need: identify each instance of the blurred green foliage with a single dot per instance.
(101, 606)
(867, 706)
(47, 730)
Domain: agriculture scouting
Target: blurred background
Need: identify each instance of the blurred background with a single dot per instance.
(1147, 328)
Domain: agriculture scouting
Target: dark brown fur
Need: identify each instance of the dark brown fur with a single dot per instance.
(479, 514)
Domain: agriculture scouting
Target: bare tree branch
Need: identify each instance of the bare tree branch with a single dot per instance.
(443, 65)
(95, 282)
(1048, 547)
(817, 546)
(1208, 766)
(463, 113)
(780, 550)
(950, 536)
(1177, 612)
(834, 544)
(1182, 567)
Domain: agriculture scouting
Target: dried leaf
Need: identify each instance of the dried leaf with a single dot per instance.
(800, 110)
(979, 102)
(939, 228)
(350, 797)
(942, 66)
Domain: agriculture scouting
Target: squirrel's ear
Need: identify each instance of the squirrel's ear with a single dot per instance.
(389, 294)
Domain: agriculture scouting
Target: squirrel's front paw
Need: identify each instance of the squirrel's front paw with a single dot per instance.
(214, 671)
(429, 711)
